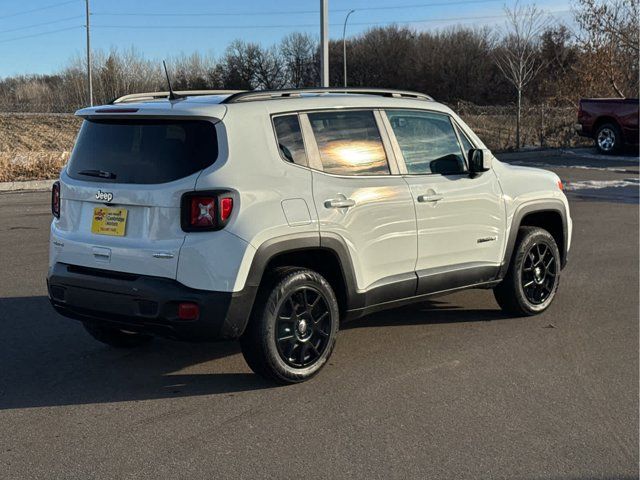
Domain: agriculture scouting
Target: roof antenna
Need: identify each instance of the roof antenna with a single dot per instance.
(172, 94)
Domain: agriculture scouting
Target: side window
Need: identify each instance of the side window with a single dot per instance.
(290, 140)
(428, 142)
(349, 143)
(466, 143)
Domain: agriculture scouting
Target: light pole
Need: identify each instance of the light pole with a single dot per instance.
(89, 79)
(324, 43)
(344, 47)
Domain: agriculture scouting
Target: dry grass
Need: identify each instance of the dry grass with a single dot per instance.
(16, 166)
(35, 146)
(36, 132)
(546, 126)
(498, 132)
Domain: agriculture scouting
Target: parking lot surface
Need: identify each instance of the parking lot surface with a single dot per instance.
(451, 388)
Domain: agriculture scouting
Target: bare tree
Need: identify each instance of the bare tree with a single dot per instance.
(384, 57)
(517, 56)
(270, 69)
(191, 72)
(610, 42)
(298, 52)
(559, 80)
(238, 66)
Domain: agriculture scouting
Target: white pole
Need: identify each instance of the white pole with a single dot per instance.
(89, 81)
(324, 43)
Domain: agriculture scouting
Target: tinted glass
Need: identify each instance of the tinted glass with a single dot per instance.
(349, 143)
(290, 140)
(428, 142)
(142, 151)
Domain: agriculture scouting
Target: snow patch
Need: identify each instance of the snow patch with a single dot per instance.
(588, 153)
(599, 184)
(558, 165)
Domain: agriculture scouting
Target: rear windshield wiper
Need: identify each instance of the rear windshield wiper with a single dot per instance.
(97, 173)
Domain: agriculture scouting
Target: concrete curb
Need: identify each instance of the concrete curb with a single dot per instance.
(38, 185)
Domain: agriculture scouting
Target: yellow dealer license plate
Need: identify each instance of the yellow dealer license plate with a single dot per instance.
(109, 221)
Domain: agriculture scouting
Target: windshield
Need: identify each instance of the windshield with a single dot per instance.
(142, 150)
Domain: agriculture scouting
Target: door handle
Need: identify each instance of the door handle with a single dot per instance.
(430, 198)
(339, 203)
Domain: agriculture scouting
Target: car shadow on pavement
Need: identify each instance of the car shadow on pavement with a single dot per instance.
(48, 360)
(428, 312)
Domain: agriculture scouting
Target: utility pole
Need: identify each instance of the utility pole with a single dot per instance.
(344, 47)
(89, 81)
(324, 43)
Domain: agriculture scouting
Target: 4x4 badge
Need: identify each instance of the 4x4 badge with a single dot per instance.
(105, 196)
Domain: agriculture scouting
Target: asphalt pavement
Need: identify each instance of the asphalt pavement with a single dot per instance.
(448, 389)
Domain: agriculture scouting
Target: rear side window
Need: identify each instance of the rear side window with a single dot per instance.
(290, 141)
(428, 142)
(349, 143)
(142, 150)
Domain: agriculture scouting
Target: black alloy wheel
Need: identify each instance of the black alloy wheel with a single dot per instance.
(539, 273)
(532, 280)
(293, 325)
(303, 327)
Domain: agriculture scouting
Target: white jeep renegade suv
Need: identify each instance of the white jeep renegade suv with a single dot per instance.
(270, 216)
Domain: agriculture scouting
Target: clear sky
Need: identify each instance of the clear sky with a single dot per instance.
(39, 36)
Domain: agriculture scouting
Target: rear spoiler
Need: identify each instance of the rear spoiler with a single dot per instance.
(204, 111)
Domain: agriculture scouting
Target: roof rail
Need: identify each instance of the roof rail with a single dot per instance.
(136, 97)
(298, 92)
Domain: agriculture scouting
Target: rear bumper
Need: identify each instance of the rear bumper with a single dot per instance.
(146, 304)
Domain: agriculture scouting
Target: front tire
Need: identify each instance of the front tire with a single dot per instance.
(533, 277)
(293, 326)
(117, 338)
(608, 139)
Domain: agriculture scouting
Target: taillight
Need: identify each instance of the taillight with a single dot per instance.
(560, 185)
(226, 206)
(202, 211)
(55, 199)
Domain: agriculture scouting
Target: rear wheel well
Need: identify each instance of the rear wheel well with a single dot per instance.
(552, 222)
(601, 121)
(323, 261)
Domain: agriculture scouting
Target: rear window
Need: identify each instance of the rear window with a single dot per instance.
(290, 140)
(142, 150)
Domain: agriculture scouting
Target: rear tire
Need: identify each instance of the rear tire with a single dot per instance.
(117, 338)
(533, 277)
(608, 139)
(293, 326)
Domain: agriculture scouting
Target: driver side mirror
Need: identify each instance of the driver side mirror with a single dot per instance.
(479, 160)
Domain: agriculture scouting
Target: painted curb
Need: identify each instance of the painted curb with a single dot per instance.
(38, 185)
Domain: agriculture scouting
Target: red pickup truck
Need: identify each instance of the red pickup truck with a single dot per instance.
(611, 122)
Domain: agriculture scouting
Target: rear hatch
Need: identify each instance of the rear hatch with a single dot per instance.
(120, 193)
